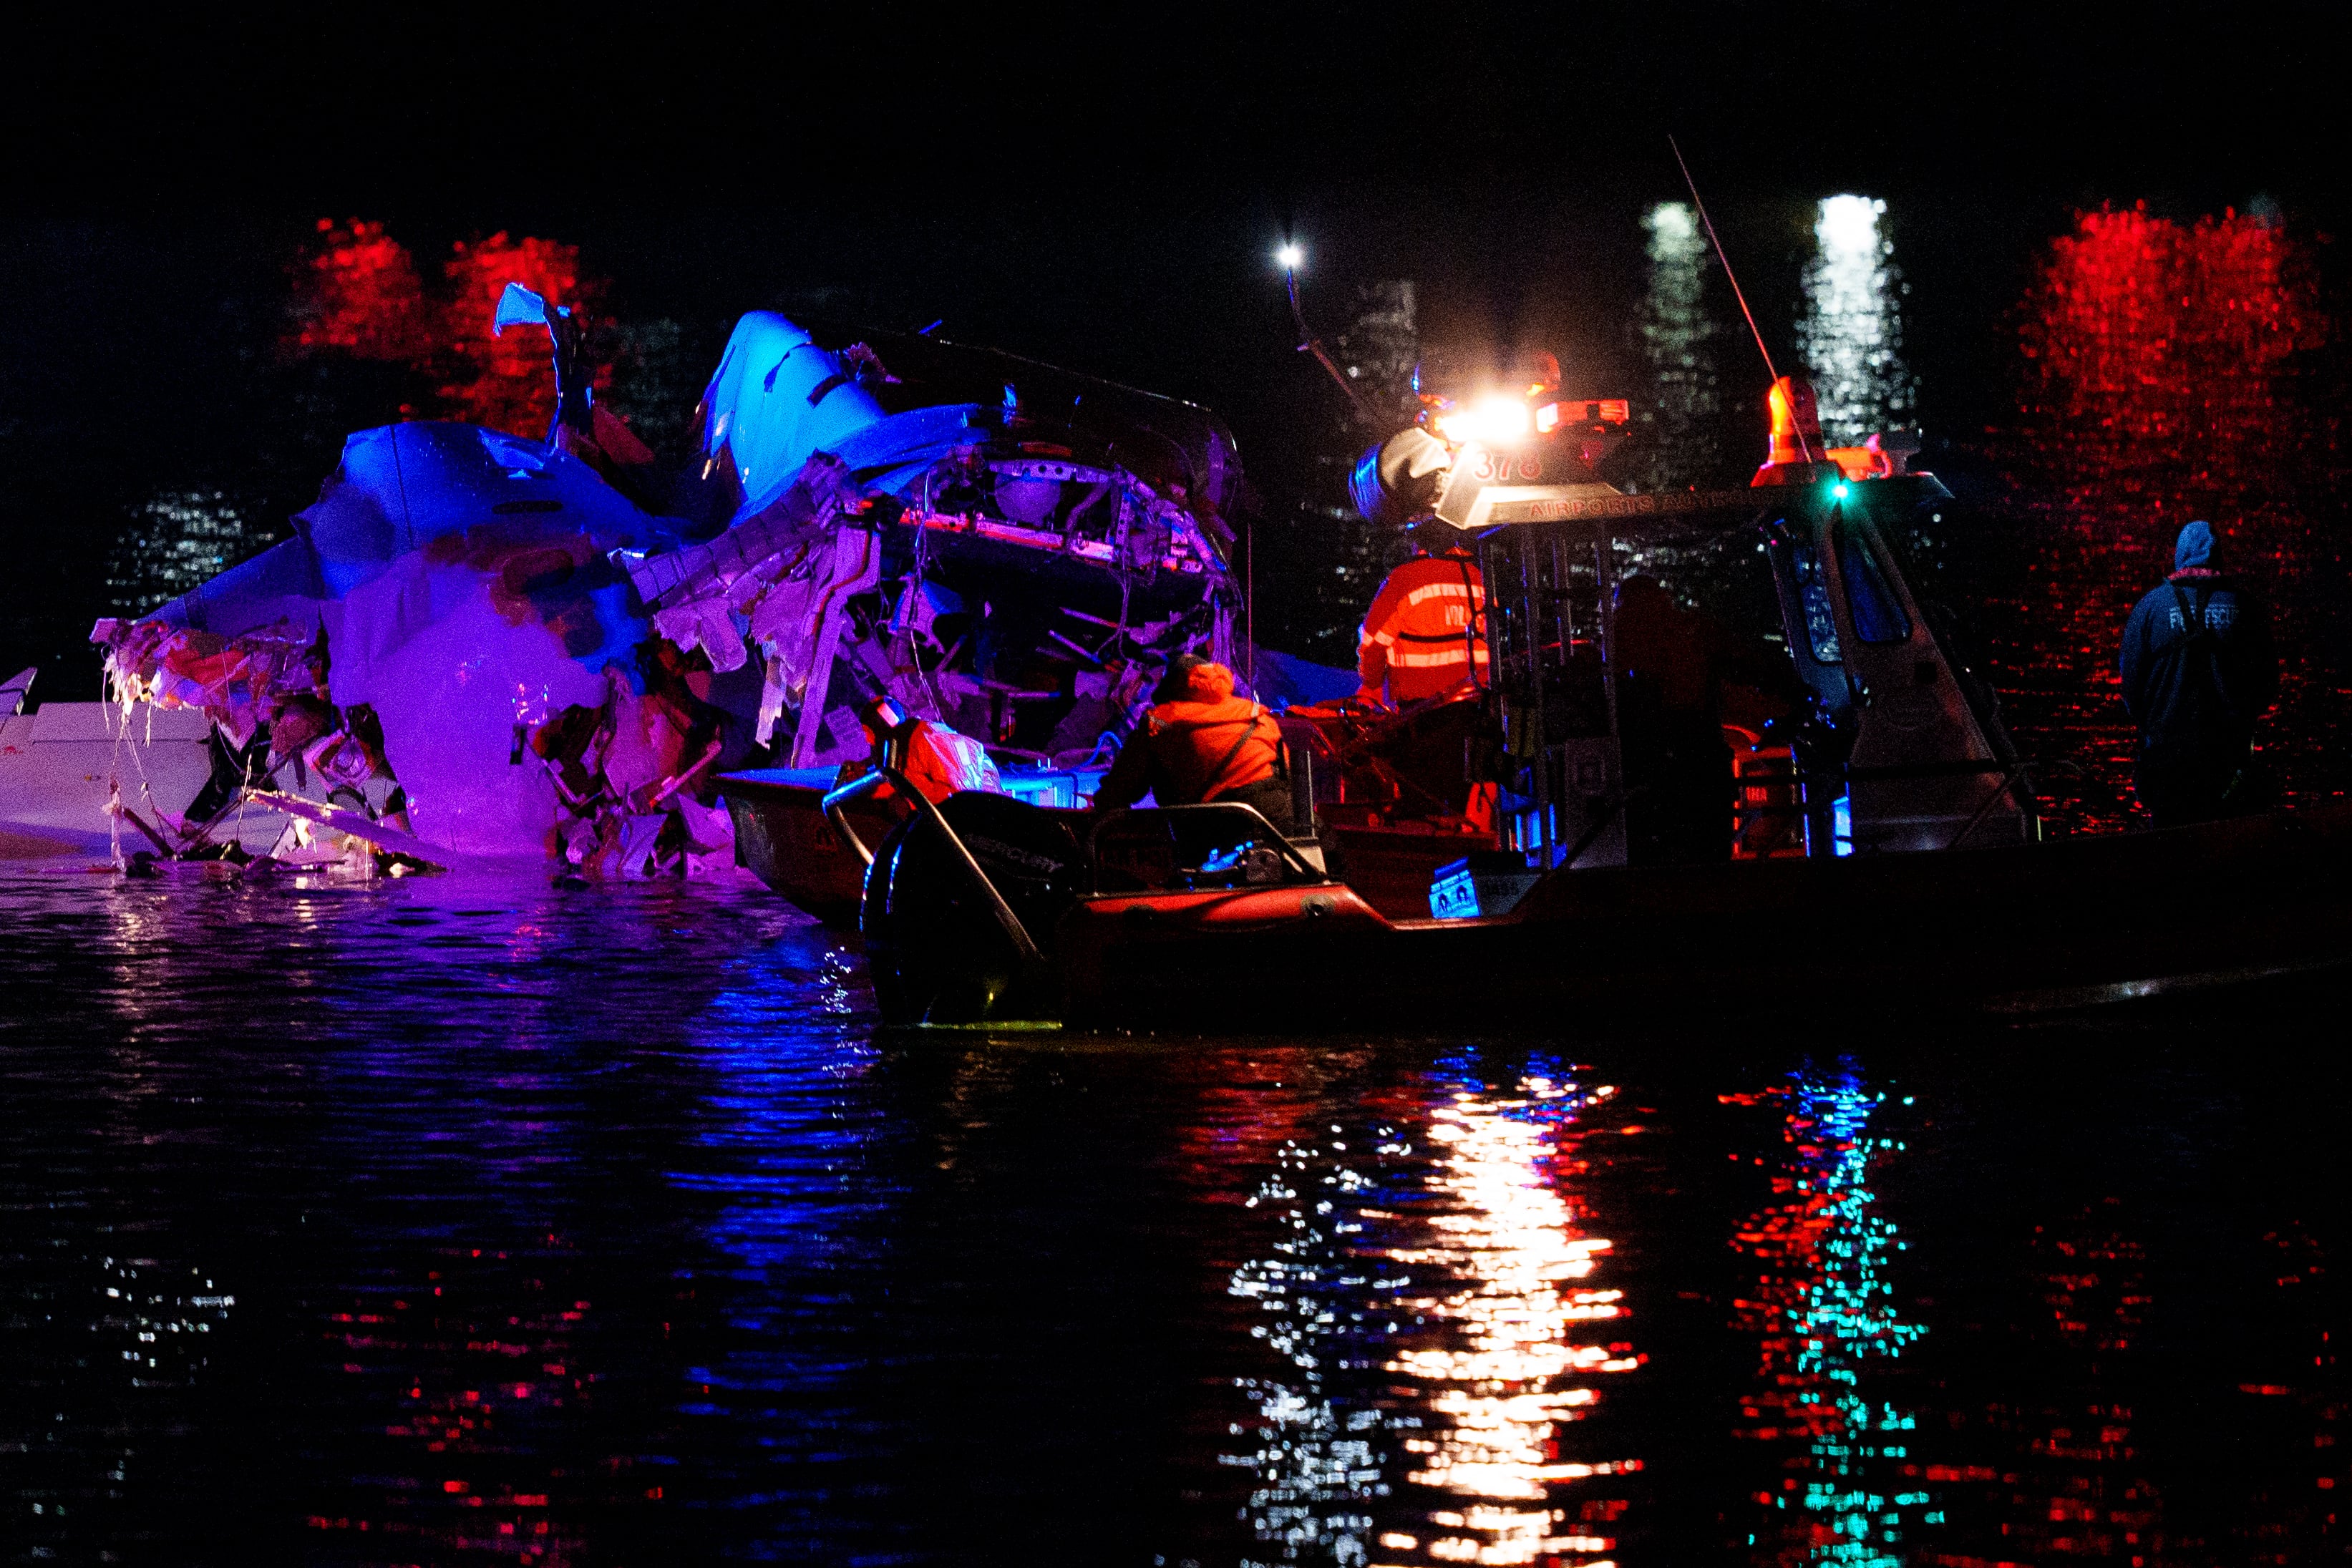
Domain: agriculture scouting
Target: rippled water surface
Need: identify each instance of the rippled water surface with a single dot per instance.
(439, 1221)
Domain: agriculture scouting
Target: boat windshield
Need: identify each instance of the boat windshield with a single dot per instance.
(1821, 626)
(1878, 615)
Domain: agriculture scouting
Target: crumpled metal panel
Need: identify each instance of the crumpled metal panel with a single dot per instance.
(402, 486)
(777, 399)
(478, 640)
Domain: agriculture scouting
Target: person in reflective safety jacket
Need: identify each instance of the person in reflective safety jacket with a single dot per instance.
(2198, 669)
(1424, 635)
(1200, 743)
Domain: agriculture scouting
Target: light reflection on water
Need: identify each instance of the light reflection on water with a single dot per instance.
(1850, 332)
(480, 1224)
(1525, 1335)
(1823, 1310)
(2169, 370)
(1315, 1471)
(2163, 369)
(1680, 421)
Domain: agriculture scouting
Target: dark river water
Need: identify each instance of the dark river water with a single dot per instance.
(443, 1221)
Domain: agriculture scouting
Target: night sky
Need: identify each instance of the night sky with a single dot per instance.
(1097, 188)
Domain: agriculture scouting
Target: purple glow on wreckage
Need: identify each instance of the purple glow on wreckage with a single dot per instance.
(502, 648)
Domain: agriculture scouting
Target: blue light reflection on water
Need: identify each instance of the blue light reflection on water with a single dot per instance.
(613, 1210)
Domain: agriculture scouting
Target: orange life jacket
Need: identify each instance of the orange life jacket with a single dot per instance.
(1425, 632)
(1188, 752)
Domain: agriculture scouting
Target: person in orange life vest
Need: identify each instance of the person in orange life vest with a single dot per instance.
(1424, 635)
(1200, 743)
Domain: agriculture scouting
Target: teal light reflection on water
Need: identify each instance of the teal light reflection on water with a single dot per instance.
(1829, 1316)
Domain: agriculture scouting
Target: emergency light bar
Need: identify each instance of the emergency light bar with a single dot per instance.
(1595, 413)
(1470, 502)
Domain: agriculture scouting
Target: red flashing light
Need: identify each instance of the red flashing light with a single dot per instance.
(1554, 416)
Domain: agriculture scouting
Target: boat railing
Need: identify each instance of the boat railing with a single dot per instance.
(837, 802)
(1246, 815)
(2011, 774)
(1899, 770)
(841, 796)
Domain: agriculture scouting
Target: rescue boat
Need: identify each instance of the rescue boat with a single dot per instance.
(1877, 843)
(981, 911)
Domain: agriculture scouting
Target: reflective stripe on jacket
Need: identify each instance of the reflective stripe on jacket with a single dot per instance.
(1423, 634)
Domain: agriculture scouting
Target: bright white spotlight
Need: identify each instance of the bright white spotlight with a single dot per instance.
(1289, 257)
(1493, 421)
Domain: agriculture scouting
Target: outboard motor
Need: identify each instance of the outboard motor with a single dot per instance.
(958, 940)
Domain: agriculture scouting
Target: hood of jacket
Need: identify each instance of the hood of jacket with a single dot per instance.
(2195, 548)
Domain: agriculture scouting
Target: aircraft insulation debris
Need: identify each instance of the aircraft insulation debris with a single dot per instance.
(478, 645)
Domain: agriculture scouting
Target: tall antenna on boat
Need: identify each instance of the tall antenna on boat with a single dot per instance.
(1290, 259)
(1736, 293)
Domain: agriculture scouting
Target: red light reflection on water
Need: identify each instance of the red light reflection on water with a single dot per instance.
(2053, 1469)
(2153, 347)
(504, 382)
(358, 291)
(2163, 381)
(493, 1448)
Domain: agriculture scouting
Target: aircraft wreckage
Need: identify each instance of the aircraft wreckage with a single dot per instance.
(478, 645)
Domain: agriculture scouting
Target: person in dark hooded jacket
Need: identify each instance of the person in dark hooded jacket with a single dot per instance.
(2198, 670)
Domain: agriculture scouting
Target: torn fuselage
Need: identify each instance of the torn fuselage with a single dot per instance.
(525, 648)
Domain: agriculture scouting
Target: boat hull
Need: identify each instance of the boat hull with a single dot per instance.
(1392, 867)
(782, 837)
(2060, 924)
